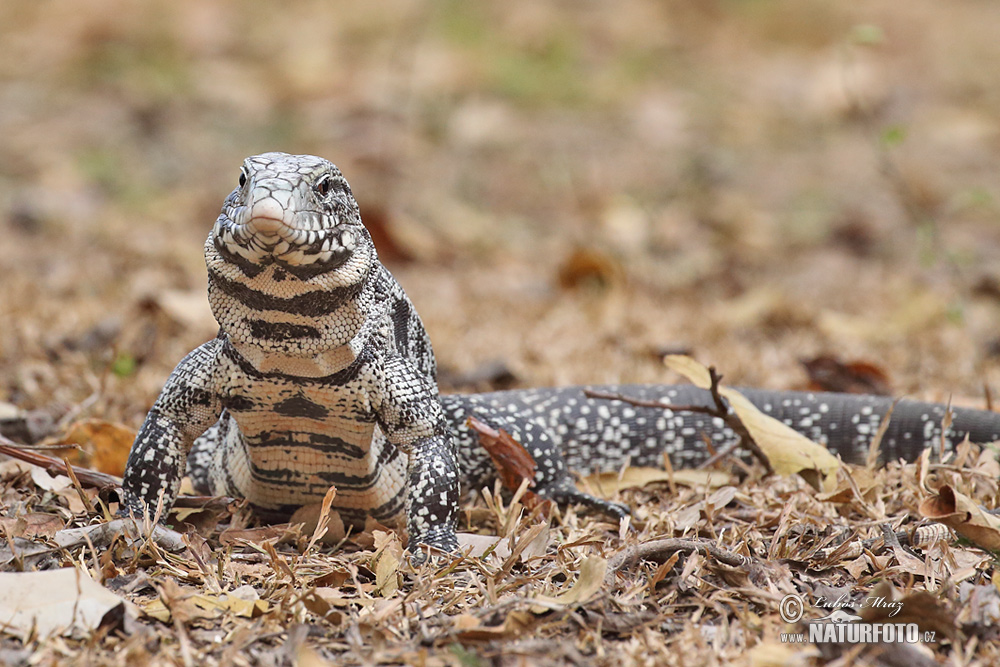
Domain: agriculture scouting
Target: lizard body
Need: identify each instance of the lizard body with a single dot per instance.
(322, 374)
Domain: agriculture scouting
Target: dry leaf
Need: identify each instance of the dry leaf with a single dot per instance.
(844, 492)
(883, 605)
(514, 625)
(277, 534)
(610, 483)
(186, 605)
(591, 578)
(827, 373)
(32, 524)
(366, 538)
(326, 603)
(324, 524)
(306, 657)
(189, 308)
(44, 480)
(105, 445)
(528, 541)
(788, 451)
(513, 462)
(246, 608)
(856, 567)
(332, 579)
(589, 266)
(478, 545)
(719, 499)
(964, 516)
(465, 622)
(51, 601)
(775, 654)
(386, 571)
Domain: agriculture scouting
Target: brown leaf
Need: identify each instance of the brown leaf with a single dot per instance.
(324, 602)
(514, 625)
(188, 308)
(366, 538)
(883, 605)
(589, 266)
(964, 516)
(332, 579)
(277, 534)
(185, 605)
(32, 524)
(54, 601)
(856, 567)
(379, 223)
(591, 578)
(827, 373)
(863, 480)
(107, 445)
(513, 462)
(323, 523)
(478, 545)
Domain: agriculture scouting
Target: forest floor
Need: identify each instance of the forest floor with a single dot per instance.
(566, 191)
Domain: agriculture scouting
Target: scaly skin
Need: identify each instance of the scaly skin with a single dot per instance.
(322, 374)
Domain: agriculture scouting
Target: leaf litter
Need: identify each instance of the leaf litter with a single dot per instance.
(700, 563)
(668, 193)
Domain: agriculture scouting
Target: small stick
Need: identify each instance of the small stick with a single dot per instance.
(87, 477)
(720, 410)
(660, 550)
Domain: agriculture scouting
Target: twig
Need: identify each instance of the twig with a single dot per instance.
(919, 538)
(89, 506)
(660, 550)
(87, 477)
(720, 411)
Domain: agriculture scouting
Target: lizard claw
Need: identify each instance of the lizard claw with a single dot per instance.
(436, 544)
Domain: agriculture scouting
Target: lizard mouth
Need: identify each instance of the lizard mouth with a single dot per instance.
(304, 251)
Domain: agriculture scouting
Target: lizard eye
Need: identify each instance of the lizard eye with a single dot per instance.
(243, 178)
(324, 186)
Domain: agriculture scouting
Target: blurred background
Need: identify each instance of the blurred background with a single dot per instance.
(565, 189)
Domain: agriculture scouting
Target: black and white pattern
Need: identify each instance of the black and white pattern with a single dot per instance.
(322, 374)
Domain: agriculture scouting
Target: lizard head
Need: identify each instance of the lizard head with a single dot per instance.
(296, 212)
(288, 256)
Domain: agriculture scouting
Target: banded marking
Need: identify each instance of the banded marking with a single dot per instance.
(281, 331)
(316, 303)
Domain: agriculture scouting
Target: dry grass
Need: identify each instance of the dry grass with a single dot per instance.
(698, 577)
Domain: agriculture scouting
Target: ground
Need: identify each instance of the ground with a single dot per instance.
(566, 191)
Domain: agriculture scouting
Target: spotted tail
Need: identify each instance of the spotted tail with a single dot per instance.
(566, 431)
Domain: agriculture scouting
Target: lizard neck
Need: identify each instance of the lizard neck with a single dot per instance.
(281, 323)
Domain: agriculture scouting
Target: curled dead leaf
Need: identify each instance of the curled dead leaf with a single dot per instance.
(513, 462)
(592, 571)
(964, 516)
